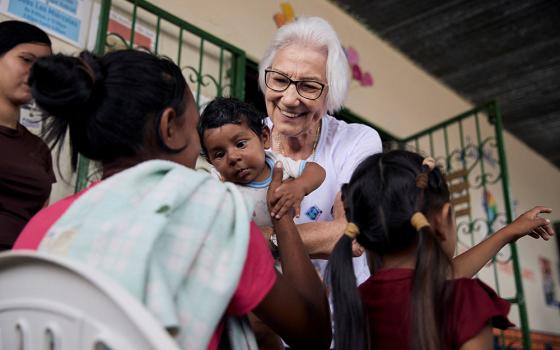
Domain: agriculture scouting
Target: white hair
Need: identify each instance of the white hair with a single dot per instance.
(318, 33)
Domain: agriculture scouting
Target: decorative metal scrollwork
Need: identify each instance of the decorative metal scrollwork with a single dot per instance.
(114, 42)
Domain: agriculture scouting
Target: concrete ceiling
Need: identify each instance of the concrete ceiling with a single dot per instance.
(506, 50)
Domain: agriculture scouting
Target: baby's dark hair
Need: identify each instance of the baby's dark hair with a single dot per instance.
(381, 198)
(228, 110)
(112, 104)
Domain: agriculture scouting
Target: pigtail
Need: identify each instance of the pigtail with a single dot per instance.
(350, 332)
(430, 275)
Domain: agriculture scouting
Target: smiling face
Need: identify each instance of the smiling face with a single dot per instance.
(292, 114)
(237, 152)
(15, 66)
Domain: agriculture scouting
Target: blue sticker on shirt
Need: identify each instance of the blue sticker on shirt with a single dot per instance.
(313, 213)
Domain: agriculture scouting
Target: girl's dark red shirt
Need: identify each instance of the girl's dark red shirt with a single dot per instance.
(471, 306)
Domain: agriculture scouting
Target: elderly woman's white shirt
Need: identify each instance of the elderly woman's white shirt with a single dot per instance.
(340, 149)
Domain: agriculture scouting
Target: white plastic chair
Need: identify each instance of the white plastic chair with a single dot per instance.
(51, 303)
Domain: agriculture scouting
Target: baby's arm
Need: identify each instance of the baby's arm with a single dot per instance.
(290, 193)
(529, 223)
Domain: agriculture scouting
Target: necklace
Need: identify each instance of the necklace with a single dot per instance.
(280, 147)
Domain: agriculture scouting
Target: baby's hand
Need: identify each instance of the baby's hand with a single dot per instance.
(273, 198)
(287, 196)
(530, 223)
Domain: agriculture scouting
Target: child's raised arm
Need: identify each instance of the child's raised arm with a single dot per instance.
(290, 194)
(296, 307)
(529, 223)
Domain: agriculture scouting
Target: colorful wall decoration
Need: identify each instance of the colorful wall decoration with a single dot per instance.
(548, 283)
(286, 14)
(358, 74)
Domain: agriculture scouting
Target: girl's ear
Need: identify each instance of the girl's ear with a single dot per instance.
(170, 127)
(266, 137)
(441, 224)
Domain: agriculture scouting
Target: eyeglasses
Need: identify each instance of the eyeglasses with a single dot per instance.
(279, 82)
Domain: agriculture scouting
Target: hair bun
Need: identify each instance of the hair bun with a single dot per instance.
(65, 86)
(91, 65)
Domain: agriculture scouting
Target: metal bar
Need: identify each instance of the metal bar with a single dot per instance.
(101, 37)
(480, 151)
(133, 25)
(523, 317)
(446, 140)
(180, 45)
(430, 135)
(221, 72)
(81, 173)
(464, 161)
(156, 45)
(462, 143)
(199, 75)
(239, 82)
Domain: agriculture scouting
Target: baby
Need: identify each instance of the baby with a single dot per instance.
(234, 137)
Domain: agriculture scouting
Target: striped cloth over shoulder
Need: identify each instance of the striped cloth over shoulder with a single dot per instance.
(175, 238)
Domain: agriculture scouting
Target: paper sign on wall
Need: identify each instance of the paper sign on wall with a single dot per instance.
(65, 19)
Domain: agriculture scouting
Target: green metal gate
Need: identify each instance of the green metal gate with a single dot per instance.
(211, 66)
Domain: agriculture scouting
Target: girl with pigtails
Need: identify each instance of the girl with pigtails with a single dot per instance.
(398, 208)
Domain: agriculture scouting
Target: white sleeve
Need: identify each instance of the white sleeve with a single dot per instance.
(215, 174)
(292, 168)
(357, 143)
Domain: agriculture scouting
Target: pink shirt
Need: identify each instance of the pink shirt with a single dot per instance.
(257, 278)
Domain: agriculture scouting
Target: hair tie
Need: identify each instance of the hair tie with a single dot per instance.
(419, 221)
(429, 162)
(87, 69)
(422, 181)
(352, 230)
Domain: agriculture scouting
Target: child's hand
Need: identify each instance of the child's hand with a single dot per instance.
(287, 196)
(530, 223)
(272, 198)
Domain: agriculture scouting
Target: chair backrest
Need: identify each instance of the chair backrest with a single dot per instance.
(52, 303)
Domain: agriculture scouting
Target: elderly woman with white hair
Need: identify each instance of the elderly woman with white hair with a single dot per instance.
(305, 76)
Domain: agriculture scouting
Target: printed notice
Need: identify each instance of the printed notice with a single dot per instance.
(66, 19)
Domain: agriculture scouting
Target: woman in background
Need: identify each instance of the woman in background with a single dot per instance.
(26, 173)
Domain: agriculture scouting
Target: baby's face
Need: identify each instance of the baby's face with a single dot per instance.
(237, 153)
